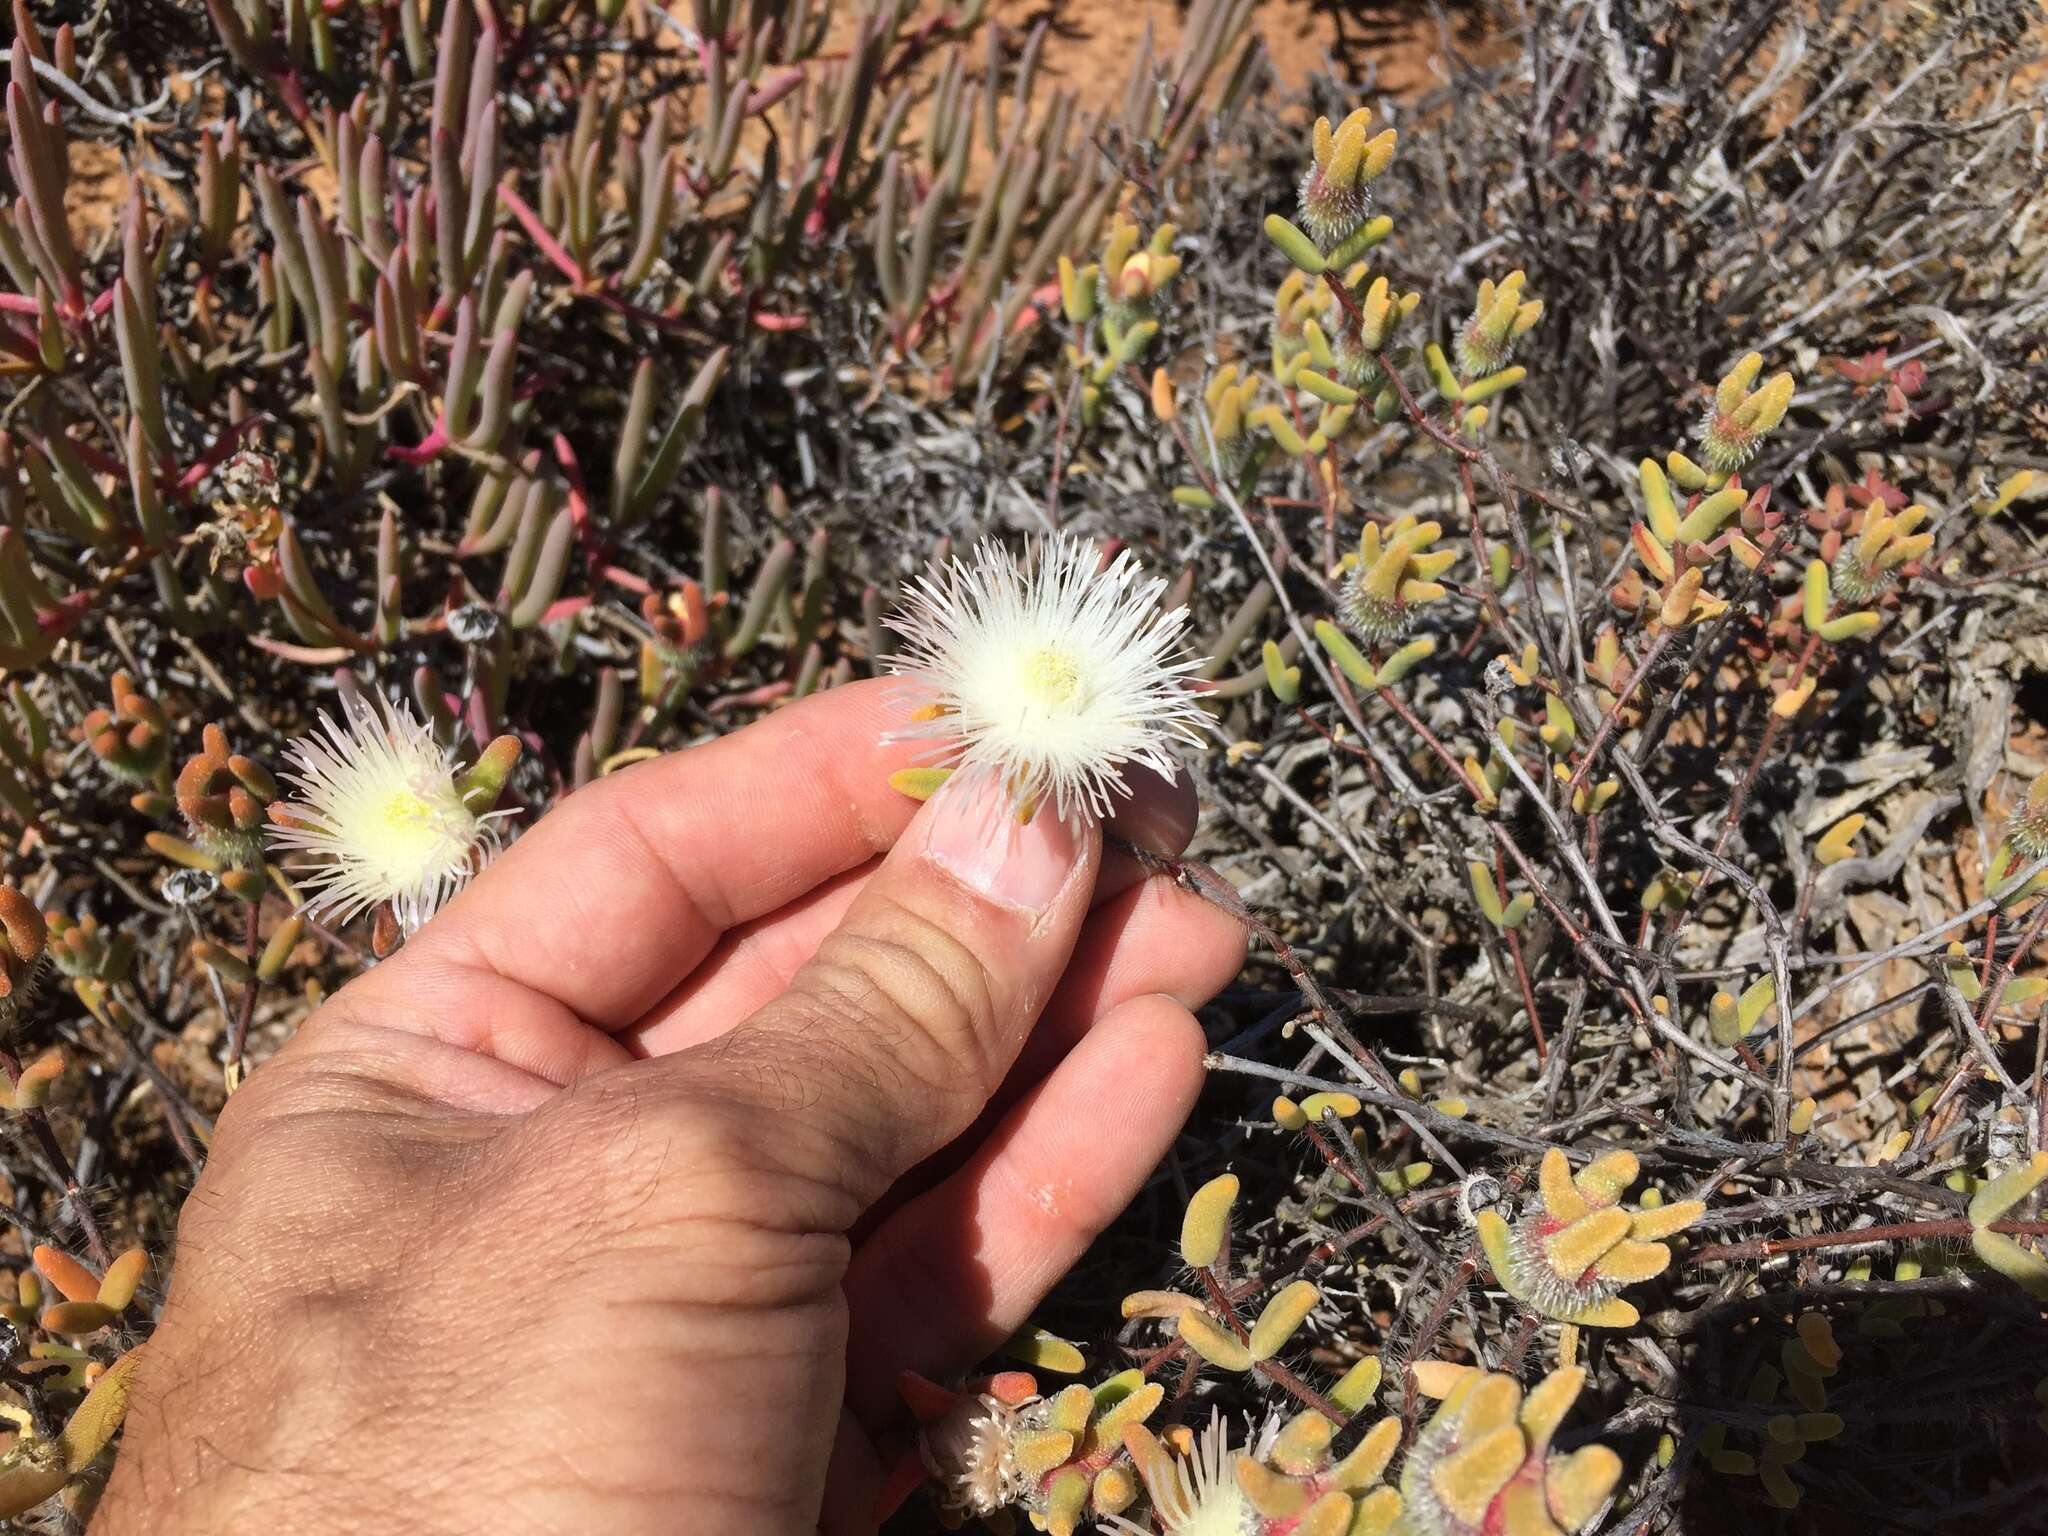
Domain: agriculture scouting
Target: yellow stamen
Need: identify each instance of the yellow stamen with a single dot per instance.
(1052, 678)
(403, 811)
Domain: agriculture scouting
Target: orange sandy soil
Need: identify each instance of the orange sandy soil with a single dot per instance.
(1387, 47)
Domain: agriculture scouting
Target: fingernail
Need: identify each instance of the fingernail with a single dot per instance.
(1159, 816)
(972, 832)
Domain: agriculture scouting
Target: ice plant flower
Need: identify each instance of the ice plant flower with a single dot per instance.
(1192, 1495)
(380, 803)
(1053, 673)
(969, 1450)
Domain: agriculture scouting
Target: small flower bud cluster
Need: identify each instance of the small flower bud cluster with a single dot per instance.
(1483, 1465)
(222, 796)
(1229, 402)
(132, 738)
(1499, 319)
(1576, 1247)
(1129, 281)
(1336, 189)
(1867, 564)
(1742, 416)
(20, 954)
(1359, 344)
(1391, 575)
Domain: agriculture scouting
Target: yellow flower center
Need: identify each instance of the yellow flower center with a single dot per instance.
(403, 811)
(403, 834)
(1051, 679)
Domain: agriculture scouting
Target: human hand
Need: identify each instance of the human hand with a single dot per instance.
(618, 1198)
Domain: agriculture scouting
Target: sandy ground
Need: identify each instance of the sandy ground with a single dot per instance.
(1391, 47)
(1383, 45)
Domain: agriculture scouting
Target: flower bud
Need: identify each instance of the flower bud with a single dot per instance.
(1740, 417)
(1499, 318)
(1336, 189)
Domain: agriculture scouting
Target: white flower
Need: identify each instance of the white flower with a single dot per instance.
(378, 803)
(970, 1454)
(1054, 675)
(1198, 1495)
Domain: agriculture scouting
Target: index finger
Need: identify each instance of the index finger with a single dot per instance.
(617, 893)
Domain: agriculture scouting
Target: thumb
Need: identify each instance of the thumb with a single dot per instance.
(895, 1034)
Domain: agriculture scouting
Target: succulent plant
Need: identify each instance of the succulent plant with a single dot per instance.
(1287, 1482)
(1500, 318)
(84, 949)
(1743, 414)
(1336, 189)
(2005, 1254)
(1575, 1247)
(1484, 1464)
(1392, 574)
(132, 738)
(37, 1466)
(222, 797)
(535, 359)
(22, 953)
(998, 1444)
(1868, 564)
(1132, 279)
(1229, 401)
(1359, 343)
(2027, 829)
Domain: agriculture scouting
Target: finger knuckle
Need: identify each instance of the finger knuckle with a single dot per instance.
(919, 992)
